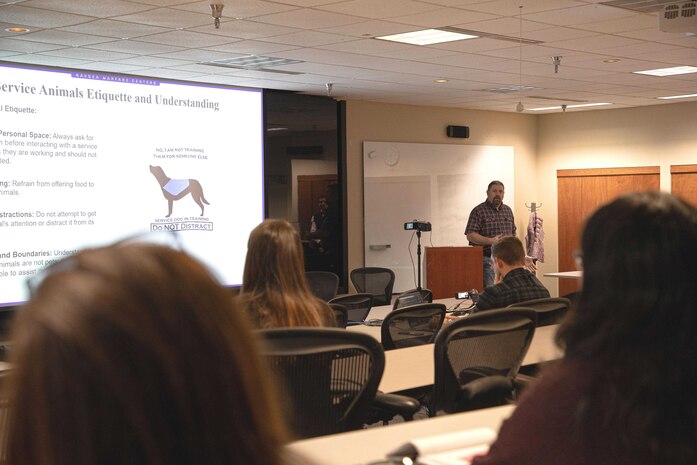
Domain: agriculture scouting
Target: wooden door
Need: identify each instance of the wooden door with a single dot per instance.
(683, 182)
(580, 192)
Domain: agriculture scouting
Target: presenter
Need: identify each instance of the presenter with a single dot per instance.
(487, 223)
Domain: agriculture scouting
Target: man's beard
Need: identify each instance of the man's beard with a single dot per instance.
(497, 201)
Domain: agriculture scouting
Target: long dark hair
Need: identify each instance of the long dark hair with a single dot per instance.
(636, 322)
(135, 355)
(274, 288)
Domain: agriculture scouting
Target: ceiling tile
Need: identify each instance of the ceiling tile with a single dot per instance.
(252, 47)
(243, 29)
(99, 9)
(26, 46)
(444, 17)
(38, 59)
(309, 38)
(382, 9)
(135, 47)
(111, 28)
(87, 54)
(308, 19)
(579, 15)
(50, 36)
(511, 7)
(185, 39)
(239, 9)
(169, 18)
(34, 17)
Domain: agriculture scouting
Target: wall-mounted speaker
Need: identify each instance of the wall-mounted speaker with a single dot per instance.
(462, 132)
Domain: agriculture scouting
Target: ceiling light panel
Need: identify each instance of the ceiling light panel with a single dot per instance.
(427, 37)
(669, 71)
(559, 107)
(670, 97)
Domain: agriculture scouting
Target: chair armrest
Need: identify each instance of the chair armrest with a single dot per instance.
(487, 386)
(397, 404)
(520, 382)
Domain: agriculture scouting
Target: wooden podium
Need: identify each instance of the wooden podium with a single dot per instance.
(452, 269)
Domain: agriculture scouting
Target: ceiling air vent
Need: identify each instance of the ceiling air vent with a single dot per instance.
(641, 6)
(678, 17)
(255, 63)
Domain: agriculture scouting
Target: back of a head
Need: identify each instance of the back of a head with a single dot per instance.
(635, 324)
(135, 355)
(639, 255)
(510, 250)
(274, 286)
(274, 258)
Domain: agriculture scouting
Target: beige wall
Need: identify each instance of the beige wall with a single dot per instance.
(419, 124)
(659, 135)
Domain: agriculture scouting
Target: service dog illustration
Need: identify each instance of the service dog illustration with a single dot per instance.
(175, 189)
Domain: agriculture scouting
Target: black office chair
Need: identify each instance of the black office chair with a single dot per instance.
(412, 326)
(357, 305)
(374, 280)
(323, 284)
(478, 357)
(412, 297)
(549, 310)
(328, 378)
(340, 315)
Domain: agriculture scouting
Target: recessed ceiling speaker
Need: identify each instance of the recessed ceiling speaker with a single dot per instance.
(463, 132)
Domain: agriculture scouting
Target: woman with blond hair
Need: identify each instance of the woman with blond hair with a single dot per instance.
(274, 288)
(132, 355)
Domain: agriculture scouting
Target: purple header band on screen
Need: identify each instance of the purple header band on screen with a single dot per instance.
(121, 79)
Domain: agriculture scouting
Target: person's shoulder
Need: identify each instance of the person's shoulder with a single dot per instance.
(489, 296)
(479, 206)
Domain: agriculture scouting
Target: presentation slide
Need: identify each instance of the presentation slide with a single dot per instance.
(88, 158)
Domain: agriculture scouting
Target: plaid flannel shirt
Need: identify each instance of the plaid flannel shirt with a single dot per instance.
(517, 286)
(486, 220)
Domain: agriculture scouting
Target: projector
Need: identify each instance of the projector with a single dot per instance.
(417, 226)
(678, 17)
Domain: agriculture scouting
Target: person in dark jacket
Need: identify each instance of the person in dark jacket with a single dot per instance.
(513, 282)
(624, 391)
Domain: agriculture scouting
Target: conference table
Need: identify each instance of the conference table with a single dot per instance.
(372, 444)
(414, 367)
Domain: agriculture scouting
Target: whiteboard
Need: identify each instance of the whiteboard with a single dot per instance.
(438, 183)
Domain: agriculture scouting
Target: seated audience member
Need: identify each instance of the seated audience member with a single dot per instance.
(274, 288)
(134, 354)
(624, 393)
(513, 283)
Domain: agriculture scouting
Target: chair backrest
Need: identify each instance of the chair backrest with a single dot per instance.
(357, 305)
(412, 326)
(323, 284)
(478, 356)
(328, 378)
(412, 297)
(549, 310)
(340, 315)
(374, 280)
